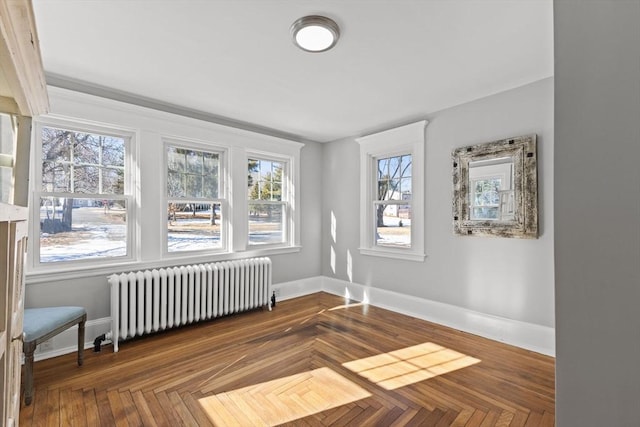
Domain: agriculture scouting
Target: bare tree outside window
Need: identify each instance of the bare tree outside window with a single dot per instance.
(393, 202)
(82, 195)
(193, 200)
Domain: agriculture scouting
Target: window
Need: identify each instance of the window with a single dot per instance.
(194, 200)
(393, 202)
(267, 201)
(148, 189)
(83, 199)
(392, 187)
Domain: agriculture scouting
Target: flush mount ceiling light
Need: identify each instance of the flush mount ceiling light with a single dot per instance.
(315, 33)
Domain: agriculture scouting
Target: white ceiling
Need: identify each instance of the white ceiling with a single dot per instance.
(396, 60)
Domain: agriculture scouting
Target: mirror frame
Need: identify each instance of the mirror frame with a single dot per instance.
(525, 185)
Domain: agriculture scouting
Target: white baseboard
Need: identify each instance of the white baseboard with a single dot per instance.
(530, 336)
(67, 341)
(298, 288)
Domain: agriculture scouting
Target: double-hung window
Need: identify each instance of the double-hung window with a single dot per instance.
(83, 200)
(268, 201)
(392, 204)
(195, 199)
(392, 193)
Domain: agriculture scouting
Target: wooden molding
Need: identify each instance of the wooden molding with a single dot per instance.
(8, 105)
(13, 213)
(20, 60)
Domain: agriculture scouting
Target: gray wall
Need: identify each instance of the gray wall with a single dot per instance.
(510, 278)
(597, 201)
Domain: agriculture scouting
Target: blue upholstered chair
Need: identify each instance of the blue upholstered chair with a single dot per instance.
(39, 325)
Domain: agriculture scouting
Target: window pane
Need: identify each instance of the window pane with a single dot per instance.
(405, 188)
(406, 166)
(383, 169)
(194, 162)
(82, 228)
(86, 148)
(389, 189)
(112, 181)
(56, 177)
(175, 159)
(393, 225)
(265, 180)
(210, 186)
(394, 178)
(86, 179)
(211, 162)
(112, 152)
(56, 145)
(193, 226)
(192, 173)
(394, 167)
(253, 174)
(255, 190)
(266, 223)
(89, 154)
(175, 184)
(194, 186)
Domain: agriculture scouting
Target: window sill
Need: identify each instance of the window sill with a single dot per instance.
(67, 272)
(394, 254)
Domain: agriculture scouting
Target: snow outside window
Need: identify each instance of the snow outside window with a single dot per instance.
(392, 204)
(194, 199)
(268, 201)
(84, 205)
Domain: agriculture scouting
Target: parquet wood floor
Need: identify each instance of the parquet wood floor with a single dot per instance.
(310, 362)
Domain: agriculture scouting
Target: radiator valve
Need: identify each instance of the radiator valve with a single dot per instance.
(273, 299)
(97, 342)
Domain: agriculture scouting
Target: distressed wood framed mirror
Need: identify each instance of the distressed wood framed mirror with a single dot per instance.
(495, 188)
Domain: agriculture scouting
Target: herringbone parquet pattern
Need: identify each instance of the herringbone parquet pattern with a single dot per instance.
(311, 361)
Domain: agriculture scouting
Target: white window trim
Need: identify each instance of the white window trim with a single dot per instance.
(130, 195)
(223, 194)
(408, 139)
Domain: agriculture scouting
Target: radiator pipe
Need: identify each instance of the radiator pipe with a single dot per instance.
(273, 299)
(97, 342)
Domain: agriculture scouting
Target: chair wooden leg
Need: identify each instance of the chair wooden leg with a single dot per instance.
(81, 340)
(29, 348)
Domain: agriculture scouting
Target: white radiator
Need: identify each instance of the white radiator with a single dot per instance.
(154, 300)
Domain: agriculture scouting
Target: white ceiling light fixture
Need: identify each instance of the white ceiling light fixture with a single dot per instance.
(315, 33)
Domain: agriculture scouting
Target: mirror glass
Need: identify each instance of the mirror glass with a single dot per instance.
(491, 189)
(495, 188)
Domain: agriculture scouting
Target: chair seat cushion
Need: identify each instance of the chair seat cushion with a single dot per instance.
(40, 321)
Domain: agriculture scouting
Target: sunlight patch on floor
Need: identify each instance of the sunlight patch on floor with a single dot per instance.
(282, 400)
(347, 305)
(410, 365)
